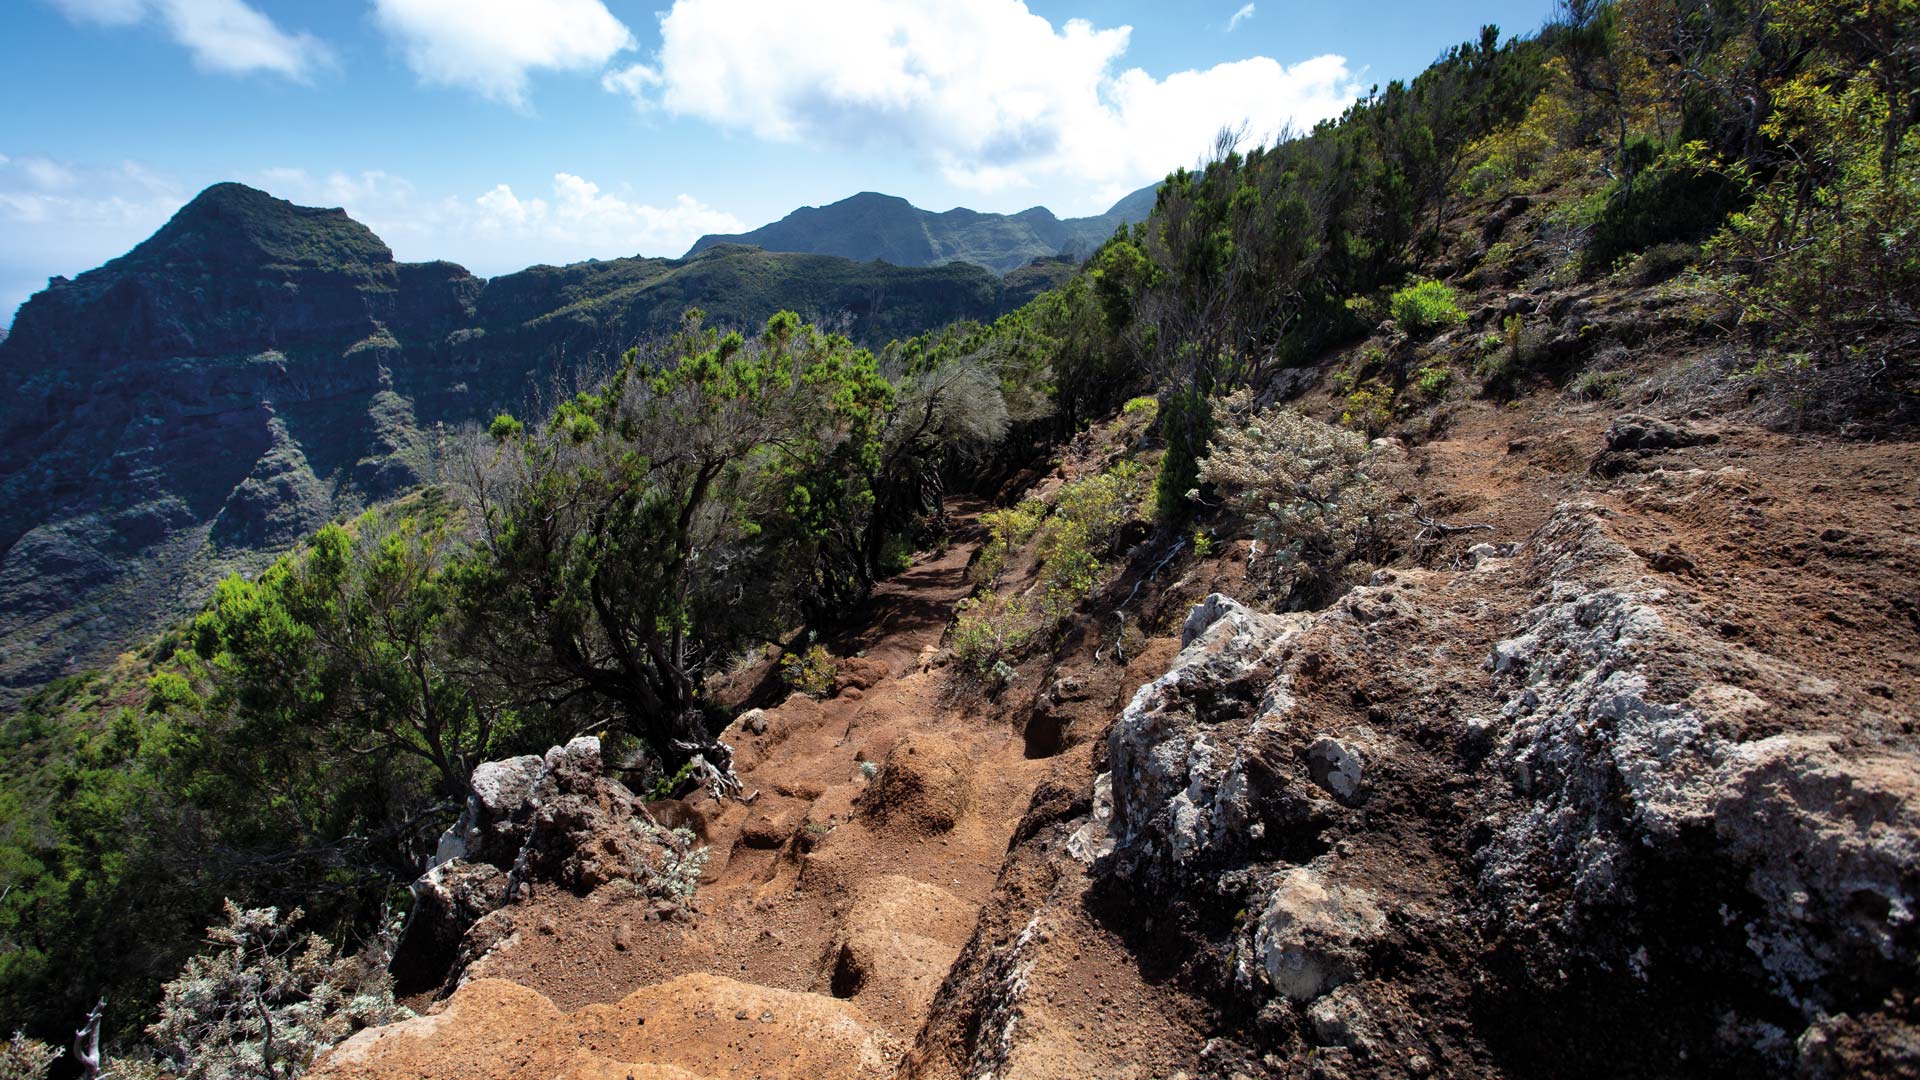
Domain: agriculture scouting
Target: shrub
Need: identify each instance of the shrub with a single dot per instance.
(1320, 500)
(1007, 532)
(1145, 409)
(810, 672)
(1186, 422)
(1369, 408)
(676, 873)
(1425, 306)
(265, 1002)
(1432, 381)
(22, 1058)
(989, 627)
(1089, 517)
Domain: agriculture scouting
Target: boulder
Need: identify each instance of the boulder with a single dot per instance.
(1313, 935)
(1632, 431)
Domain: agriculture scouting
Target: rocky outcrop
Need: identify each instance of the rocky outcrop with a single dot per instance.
(532, 823)
(1445, 824)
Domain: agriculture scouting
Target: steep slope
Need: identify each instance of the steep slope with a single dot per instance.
(871, 226)
(257, 368)
(1585, 763)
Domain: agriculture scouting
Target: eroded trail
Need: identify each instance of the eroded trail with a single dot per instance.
(835, 901)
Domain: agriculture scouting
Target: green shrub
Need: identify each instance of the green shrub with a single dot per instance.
(1369, 408)
(1424, 307)
(989, 627)
(1008, 531)
(1186, 420)
(810, 672)
(1664, 199)
(1432, 381)
(1145, 409)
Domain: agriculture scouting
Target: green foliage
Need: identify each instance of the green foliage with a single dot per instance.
(1088, 518)
(1008, 530)
(1186, 422)
(1369, 408)
(1662, 199)
(809, 672)
(1425, 306)
(1826, 260)
(266, 1001)
(1142, 409)
(1432, 381)
(989, 627)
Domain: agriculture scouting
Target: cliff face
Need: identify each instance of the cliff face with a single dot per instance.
(257, 368)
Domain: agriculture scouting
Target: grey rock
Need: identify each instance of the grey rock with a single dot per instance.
(1313, 935)
(1336, 767)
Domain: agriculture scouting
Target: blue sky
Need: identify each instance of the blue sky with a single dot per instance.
(501, 133)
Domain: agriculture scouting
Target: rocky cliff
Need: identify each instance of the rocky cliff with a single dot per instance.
(257, 368)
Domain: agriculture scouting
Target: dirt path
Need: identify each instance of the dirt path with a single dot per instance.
(835, 901)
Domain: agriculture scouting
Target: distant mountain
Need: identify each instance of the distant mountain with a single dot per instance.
(257, 368)
(871, 226)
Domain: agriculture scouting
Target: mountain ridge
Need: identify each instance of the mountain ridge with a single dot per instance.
(256, 368)
(870, 225)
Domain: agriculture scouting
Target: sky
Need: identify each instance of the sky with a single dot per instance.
(503, 133)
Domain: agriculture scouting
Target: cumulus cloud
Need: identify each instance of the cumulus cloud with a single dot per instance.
(491, 46)
(229, 36)
(501, 230)
(63, 217)
(1245, 13)
(990, 93)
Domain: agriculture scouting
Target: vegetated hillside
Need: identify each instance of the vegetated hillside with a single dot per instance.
(1486, 618)
(257, 368)
(872, 226)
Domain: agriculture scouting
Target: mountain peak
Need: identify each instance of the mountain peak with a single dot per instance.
(231, 221)
(872, 225)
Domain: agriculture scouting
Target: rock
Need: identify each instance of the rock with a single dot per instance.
(859, 673)
(1336, 767)
(1342, 1018)
(925, 781)
(1313, 935)
(753, 721)
(1068, 688)
(1632, 431)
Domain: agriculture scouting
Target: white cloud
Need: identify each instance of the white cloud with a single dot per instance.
(490, 46)
(229, 36)
(1245, 13)
(985, 90)
(499, 230)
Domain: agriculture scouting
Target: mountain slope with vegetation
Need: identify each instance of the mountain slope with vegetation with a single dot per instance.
(256, 369)
(1445, 583)
(870, 226)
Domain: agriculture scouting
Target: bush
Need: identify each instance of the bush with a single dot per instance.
(1424, 307)
(265, 1003)
(810, 672)
(1088, 518)
(989, 627)
(22, 1058)
(1320, 500)
(1007, 532)
(1432, 381)
(1369, 408)
(1665, 201)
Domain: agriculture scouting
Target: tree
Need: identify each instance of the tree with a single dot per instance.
(663, 521)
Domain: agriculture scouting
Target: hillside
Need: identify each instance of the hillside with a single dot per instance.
(256, 369)
(870, 226)
(1436, 601)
